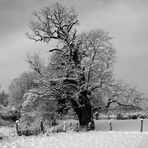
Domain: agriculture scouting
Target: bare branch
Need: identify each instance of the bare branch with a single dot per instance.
(54, 22)
(35, 63)
(55, 49)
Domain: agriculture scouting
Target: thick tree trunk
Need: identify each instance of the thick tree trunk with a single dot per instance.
(85, 117)
(84, 112)
(82, 107)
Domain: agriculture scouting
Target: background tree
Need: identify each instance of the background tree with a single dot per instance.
(4, 98)
(123, 94)
(38, 109)
(19, 86)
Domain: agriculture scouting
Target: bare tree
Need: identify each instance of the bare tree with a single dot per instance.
(79, 65)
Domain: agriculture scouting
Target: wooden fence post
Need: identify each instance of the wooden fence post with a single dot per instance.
(77, 126)
(141, 127)
(42, 127)
(110, 125)
(18, 128)
(65, 127)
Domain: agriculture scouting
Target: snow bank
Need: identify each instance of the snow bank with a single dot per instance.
(81, 140)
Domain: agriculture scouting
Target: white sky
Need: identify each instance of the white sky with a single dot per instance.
(125, 20)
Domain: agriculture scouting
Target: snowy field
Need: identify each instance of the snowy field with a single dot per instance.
(122, 125)
(119, 125)
(125, 134)
(81, 140)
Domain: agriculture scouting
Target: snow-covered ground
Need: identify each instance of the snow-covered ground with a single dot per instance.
(122, 125)
(125, 134)
(91, 139)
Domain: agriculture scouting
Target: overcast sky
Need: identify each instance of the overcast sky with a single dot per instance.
(125, 20)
